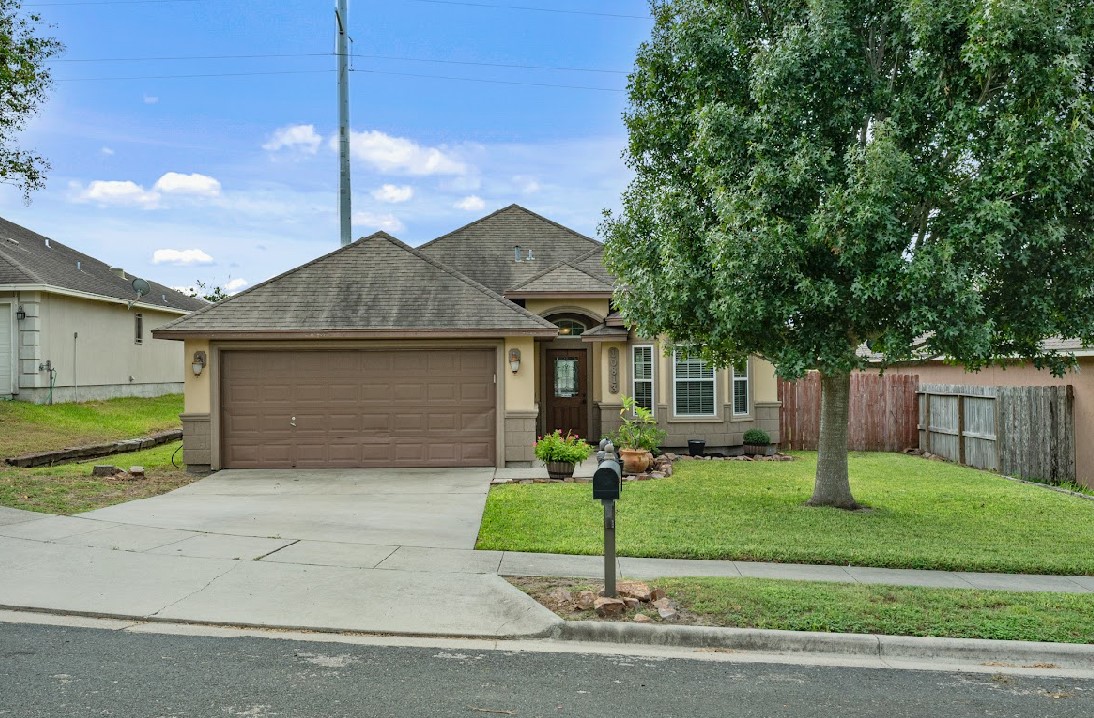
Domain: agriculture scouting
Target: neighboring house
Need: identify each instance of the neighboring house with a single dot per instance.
(73, 329)
(936, 371)
(457, 353)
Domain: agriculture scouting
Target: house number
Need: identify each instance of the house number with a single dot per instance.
(613, 370)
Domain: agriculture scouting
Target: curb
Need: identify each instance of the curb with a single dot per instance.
(1063, 655)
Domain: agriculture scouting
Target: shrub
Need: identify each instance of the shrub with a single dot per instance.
(571, 448)
(758, 437)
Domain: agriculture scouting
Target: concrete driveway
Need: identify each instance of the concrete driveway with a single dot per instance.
(392, 507)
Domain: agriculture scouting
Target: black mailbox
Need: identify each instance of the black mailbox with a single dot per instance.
(607, 480)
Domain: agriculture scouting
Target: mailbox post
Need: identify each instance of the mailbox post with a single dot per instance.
(607, 482)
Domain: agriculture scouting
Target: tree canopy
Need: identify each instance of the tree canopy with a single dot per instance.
(815, 175)
(24, 80)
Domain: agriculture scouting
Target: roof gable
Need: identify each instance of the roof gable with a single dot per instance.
(561, 278)
(374, 285)
(483, 250)
(34, 259)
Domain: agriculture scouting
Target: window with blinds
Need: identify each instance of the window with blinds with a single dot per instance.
(740, 388)
(693, 385)
(642, 376)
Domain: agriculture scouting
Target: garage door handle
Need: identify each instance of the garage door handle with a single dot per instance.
(292, 421)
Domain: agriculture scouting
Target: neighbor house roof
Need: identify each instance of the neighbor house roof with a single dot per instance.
(484, 249)
(563, 278)
(29, 260)
(1052, 344)
(374, 287)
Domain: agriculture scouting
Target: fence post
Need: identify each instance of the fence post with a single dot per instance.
(927, 421)
(961, 429)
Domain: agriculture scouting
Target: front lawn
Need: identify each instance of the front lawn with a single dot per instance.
(923, 514)
(854, 608)
(26, 428)
(71, 489)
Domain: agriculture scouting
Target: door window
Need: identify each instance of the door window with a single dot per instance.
(565, 378)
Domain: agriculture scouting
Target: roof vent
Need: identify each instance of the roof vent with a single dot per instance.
(119, 271)
(529, 257)
(516, 253)
(78, 266)
(47, 244)
(164, 298)
(12, 240)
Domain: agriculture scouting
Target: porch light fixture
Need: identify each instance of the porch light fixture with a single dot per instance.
(514, 360)
(20, 314)
(199, 363)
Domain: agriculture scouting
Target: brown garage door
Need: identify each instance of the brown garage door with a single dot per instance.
(358, 408)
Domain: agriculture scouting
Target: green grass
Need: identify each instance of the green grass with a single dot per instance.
(923, 514)
(71, 489)
(888, 610)
(26, 428)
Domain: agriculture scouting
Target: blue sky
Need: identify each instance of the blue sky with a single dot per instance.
(233, 179)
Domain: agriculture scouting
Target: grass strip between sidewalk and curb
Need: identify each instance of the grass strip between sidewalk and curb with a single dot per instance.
(71, 489)
(921, 514)
(26, 427)
(855, 608)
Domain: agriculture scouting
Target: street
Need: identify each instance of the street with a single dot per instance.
(59, 671)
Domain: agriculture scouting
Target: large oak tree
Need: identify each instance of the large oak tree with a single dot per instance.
(814, 176)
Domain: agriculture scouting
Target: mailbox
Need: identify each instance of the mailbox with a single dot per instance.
(607, 480)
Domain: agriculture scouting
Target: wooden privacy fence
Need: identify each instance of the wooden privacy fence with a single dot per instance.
(883, 415)
(1025, 431)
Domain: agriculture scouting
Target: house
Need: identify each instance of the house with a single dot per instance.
(73, 328)
(935, 370)
(457, 353)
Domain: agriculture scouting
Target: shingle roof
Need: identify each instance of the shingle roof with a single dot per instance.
(593, 263)
(375, 285)
(483, 250)
(563, 277)
(30, 260)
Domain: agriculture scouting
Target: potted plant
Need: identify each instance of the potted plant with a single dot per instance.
(561, 453)
(757, 441)
(637, 437)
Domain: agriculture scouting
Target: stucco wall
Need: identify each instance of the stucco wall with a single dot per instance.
(520, 388)
(598, 308)
(198, 389)
(1027, 375)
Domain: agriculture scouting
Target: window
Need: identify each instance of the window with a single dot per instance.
(693, 385)
(569, 328)
(642, 376)
(740, 388)
(138, 329)
(566, 378)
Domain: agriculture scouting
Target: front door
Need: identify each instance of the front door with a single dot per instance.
(568, 391)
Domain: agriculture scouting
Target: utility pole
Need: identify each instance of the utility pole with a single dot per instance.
(344, 211)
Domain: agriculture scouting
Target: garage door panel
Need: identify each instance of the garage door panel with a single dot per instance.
(358, 408)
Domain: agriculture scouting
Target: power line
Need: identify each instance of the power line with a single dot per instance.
(109, 2)
(178, 77)
(492, 82)
(355, 56)
(531, 8)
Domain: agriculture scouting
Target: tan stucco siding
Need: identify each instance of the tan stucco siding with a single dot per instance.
(93, 343)
(520, 388)
(197, 389)
(598, 308)
(765, 384)
(1027, 375)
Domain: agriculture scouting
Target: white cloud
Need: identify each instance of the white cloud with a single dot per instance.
(398, 155)
(181, 257)
(526, 184)
(393, 194)
(118, 192)
(386, 222)
(234, 285)
(151, 99)
(106, 151)
(299, 137)
(471, 203)
(173, 182)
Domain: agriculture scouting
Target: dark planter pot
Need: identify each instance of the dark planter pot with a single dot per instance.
(559, 470)
(761, 449)
(696, 446)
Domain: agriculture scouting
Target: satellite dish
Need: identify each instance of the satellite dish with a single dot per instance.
(141, 287)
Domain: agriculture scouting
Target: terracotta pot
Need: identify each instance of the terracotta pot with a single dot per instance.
(635, 461)
(560, 469)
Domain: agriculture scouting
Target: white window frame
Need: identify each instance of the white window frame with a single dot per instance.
(138, 328)
(653, 375)
(734, 380)
(676, 381)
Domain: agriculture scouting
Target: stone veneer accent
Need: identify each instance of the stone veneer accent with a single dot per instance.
(520, 436)
(718, 434)
(197, 438)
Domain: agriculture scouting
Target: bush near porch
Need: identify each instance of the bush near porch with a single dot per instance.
(923, 514)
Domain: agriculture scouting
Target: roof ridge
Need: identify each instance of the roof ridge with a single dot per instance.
(469, 224)
(286, 273)
(503, 209)
(560, 226)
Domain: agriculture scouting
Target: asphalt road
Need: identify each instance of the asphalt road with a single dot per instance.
(59, 672)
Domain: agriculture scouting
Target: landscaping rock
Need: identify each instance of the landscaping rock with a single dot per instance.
(631, 602)
(657, 475)
(609, 607)
(136, 472)
(657, 594)
(643, 477)
(668, 615)
(560, 598)
(642, 618)
(586, 600)
(668, 470)
(104, 470)
(635, 589)
(662, 602)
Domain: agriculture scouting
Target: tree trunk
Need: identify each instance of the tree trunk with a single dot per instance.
(832, 486)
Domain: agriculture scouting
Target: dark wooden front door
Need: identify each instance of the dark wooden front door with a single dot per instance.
(568, 391)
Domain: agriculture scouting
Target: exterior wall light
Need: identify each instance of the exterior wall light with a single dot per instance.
(20, 314)
(199, 363)
(514, 360)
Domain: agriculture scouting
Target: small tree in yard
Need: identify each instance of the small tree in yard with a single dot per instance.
(814, 176)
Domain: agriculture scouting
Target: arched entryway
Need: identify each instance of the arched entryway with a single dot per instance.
(567, 377)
